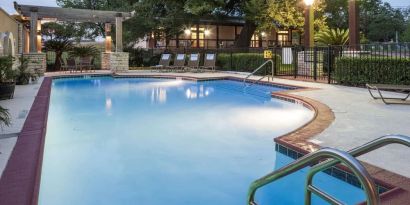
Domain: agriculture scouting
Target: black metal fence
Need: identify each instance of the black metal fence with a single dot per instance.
(370, 63)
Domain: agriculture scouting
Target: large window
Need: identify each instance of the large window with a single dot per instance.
(198, 36)
(283, 38)
(255, 41)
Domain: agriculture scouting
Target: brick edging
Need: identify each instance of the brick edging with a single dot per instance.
(20, 182)
(298, 140)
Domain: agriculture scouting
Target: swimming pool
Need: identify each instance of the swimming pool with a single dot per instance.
(165, 141)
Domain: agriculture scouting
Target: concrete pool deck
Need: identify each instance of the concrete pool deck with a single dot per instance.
(359, 118)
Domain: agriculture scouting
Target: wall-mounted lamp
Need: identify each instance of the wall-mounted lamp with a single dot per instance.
(108, 40)
(187, 32)
(207, 32)
(263, 34)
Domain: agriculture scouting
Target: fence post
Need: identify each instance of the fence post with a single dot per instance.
(231, 61)
(315, 63)
(329, 64)
(295, 61)
(275, 62)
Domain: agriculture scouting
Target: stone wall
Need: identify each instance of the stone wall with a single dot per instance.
(36, 61)
(115, 61)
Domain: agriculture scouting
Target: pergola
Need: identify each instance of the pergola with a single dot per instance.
(37, 13)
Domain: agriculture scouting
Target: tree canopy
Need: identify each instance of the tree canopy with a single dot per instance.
(166, 18)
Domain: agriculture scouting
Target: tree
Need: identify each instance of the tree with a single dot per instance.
(385, 23)
(337, 14)
(5, 119)
(58, 38)
(169, 18)
(92, 30)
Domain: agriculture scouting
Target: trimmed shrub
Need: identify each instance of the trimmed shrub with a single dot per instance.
(242, 62)
(359, 71)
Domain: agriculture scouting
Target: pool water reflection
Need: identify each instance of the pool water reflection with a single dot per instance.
(156, 141)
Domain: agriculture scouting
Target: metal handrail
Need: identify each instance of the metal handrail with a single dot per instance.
(356, 152)
(257, 69)
(344, 157)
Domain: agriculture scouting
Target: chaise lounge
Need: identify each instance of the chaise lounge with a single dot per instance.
(405, 89)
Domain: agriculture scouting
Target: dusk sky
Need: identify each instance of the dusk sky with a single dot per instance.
(8, 4)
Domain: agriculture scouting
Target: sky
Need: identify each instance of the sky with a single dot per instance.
(8, 4)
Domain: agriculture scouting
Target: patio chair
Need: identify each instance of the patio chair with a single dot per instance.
(405, 89)
(71, 65)
(193, 62)
(64, 66)
(209, 61)
(86, 63)
(163, 62)
(179, 62)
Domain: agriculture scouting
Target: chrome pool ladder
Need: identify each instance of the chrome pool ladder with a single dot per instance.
(256, 70)
(336, 157)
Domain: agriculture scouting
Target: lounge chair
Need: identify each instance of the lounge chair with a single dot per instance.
(387, 87)
(64, 66)
(71, 65)
(179, 62)
(86, 63)
(193, 62)
(163, 62)
(209, 61)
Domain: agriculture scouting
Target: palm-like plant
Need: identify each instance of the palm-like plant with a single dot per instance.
(5, 119)
(58, 46)
(84, 51)
(333, 37)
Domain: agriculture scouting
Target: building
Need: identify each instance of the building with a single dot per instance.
(211, 33)
(10, 38)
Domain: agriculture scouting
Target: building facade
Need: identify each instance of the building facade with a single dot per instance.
(212, 34)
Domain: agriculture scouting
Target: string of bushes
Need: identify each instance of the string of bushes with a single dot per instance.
(359, 71)
(242, 62)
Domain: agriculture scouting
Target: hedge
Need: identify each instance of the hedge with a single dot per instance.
(242, 62)
(359, 71)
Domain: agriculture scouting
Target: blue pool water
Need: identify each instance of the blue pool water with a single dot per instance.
(157, 141)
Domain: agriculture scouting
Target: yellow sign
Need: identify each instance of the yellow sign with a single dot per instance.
(267, 54)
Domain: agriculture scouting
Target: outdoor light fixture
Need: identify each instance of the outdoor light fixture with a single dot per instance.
(309, 2)
(207, 32)
(108, 40)
(187, 31)
(263, 34)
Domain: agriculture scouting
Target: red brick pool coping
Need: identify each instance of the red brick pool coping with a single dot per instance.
(20, 182)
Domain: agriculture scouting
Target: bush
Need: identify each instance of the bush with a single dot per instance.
(7, 74)
(359, 71)
(242, 62)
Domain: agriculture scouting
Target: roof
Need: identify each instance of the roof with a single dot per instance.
(70, 14)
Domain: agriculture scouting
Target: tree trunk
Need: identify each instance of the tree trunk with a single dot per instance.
(245, 37)
(57, 63)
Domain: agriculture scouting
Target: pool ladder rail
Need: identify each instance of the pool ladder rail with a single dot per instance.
(256, 70)
(334, 157)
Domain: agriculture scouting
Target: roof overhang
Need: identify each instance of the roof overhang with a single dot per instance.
(71, 15)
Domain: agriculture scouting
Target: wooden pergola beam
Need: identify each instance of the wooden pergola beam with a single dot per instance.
(71, 15)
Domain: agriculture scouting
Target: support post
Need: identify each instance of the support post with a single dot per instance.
(33, 30)
(217, 36)
(118, 33)
(354, 35)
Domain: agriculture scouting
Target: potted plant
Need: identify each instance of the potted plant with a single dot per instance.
(7, 78)
(5, 119)
(24, 74)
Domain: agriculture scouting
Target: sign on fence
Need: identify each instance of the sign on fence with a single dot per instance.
(267, 54)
